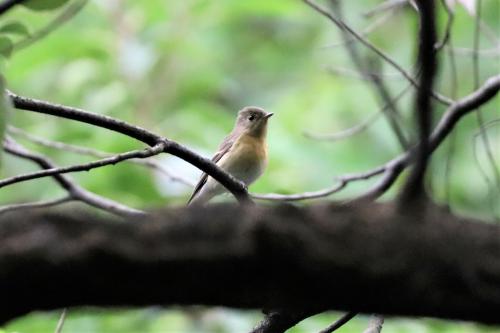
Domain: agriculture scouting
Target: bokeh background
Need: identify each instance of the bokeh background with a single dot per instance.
(183, 69)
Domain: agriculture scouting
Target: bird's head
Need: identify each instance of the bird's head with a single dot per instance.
(253, 120)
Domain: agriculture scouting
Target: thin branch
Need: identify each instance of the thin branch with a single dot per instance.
(152, 164)
(281, 321)
(414, 187)
(361, 76)
(233, 185)
(464, 51)
(449, 25)
(385, 6)
(346, 133)
(342, 182)
(479, 115)
(60, 323)
(490, 33)
(492, 196)
(37, 204)
(483, 173)
(366, 69)
(365, 32)
(342, 25)
(446, 124)
(143, 153)
(357, 128)
(68, 13)
(375, 324)
(454, 88)
(339, 323)
(75, 191)
(392, 169)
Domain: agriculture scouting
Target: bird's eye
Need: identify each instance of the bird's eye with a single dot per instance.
(252, 117)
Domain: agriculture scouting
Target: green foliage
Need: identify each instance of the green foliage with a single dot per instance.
(15, 28)
(44, 4)
(6, 46)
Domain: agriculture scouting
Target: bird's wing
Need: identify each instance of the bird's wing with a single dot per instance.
(224, 147)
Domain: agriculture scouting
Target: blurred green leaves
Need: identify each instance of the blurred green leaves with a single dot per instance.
(182, 69)
(44, 4)
(15, 28)
(6, 46)
(7, 32)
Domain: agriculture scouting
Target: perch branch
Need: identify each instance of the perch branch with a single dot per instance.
(367, 249)
(236, 187)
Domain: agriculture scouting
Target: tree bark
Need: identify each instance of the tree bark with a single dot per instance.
(365, 258)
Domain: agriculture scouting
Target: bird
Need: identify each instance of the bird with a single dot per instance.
(243, 154)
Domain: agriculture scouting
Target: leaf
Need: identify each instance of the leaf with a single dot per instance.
(44, 4)
(15, 28)
(6, 46)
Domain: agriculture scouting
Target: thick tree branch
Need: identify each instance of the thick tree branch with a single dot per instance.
(237, 188)
(241, 256)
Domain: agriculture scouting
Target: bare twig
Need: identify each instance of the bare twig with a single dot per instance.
(342, 182)
(464, 51)
(280, 321)
(346, 133)
(38, 204)
(152, 164)
(492, 192)
(447, 30)
(479, 115)
(342, 25)
(394, 167)
(68, 13)
(366, 69)
(490, 33)
(357, 128)
(60, 323)
(339, 323)
(74, 190)
(385, 6)
(414, 187)
(365, 32)
(375, 324)
(233, 185)
(143, 153)
(361, 76)
(454, 88)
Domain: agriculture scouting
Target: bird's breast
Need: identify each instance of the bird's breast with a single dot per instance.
(247, 158)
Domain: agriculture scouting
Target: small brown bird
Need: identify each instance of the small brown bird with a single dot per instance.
(243, 154)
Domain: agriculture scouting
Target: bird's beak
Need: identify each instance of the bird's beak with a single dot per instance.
(268, 115)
